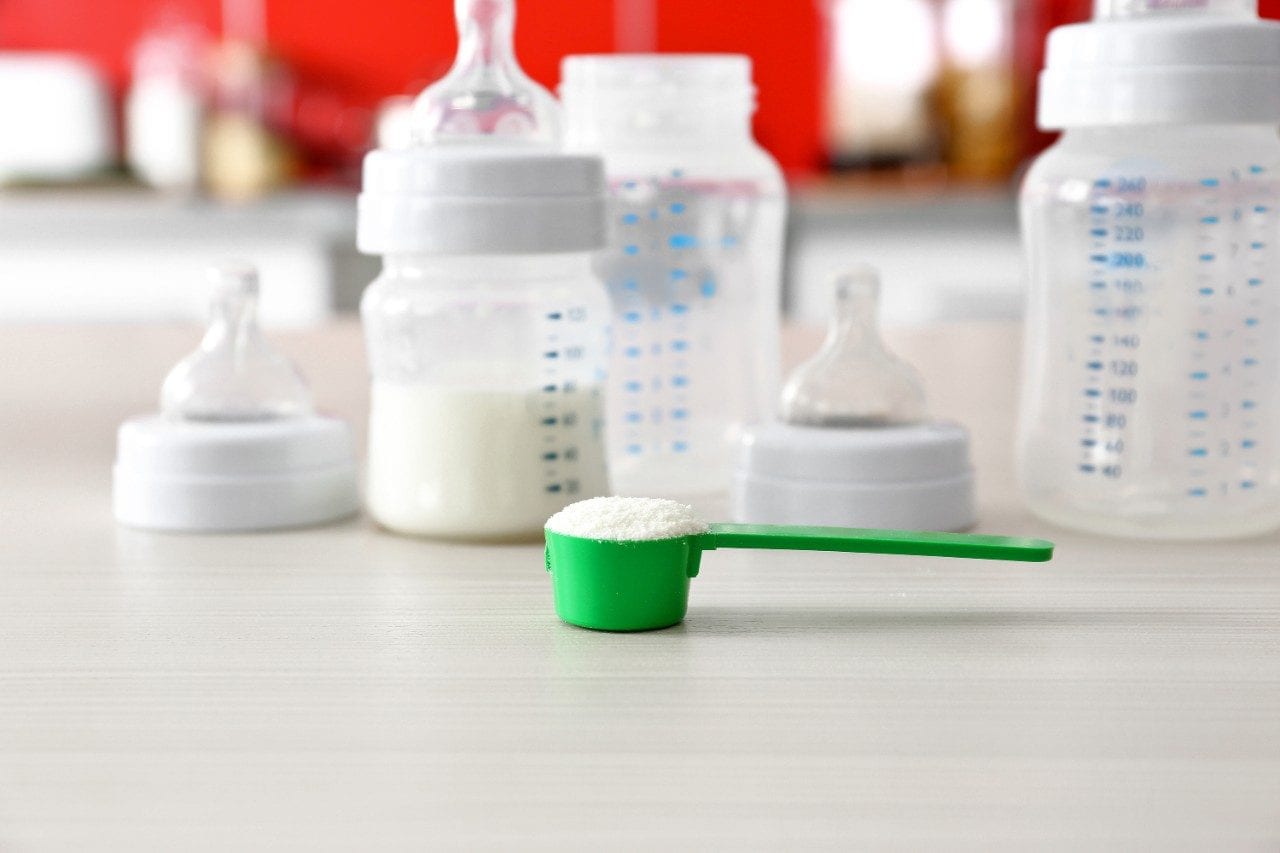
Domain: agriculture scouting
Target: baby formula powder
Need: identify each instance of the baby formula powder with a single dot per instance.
(625, 519)
(476, 464)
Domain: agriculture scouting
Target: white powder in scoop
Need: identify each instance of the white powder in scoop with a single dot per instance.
(627, 519)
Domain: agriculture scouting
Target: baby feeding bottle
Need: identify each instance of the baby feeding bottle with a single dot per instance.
(237, 444)
(1149, 399)
(694, 261)
(855, 446)
(486, 330)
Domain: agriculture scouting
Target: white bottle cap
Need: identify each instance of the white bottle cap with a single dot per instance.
(195, 476)
(914, 477)
(856, 451)
(237, 445)
(1159, 62)
(455, 200)
(650, 94)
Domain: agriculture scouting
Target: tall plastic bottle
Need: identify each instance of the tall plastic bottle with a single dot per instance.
(164, 108)
(694, 264)
(1151, 388)
(486, 329)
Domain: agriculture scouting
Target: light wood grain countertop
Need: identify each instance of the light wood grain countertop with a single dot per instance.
(343, 689)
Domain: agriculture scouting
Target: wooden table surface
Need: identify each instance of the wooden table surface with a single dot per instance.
(344, 689)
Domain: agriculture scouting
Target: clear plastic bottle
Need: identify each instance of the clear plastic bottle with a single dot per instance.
(1149, 400)
(487, 329)
(486, 413)
(165, 104)
(694, 264)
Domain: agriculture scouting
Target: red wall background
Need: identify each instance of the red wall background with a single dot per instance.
(363, 52)
(357, 53)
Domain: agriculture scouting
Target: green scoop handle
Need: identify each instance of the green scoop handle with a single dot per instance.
(862, 541)
(629, 585)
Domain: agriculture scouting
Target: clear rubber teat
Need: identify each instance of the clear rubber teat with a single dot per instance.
(234, 375)
(486, 97)
(1110, 10)
(853, 381)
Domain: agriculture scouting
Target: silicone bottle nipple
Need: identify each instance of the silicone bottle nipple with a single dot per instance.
(853, 381)
(234, 375)
(486, 96)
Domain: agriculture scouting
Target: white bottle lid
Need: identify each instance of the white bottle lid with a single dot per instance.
(855, 450)
(649, 94)
(237, 445)
(1154, 62)
(914, 477)
(212, 476)
(456, 200)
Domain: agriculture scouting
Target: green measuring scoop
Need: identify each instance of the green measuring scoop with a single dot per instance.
(641, 585)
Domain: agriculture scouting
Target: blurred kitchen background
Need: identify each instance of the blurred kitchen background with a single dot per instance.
(140, 139)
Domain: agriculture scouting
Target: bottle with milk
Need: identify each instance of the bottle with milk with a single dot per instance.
(486, 330)
(486, 338)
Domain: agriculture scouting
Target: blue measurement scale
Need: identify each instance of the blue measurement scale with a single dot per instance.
(563, 402)
(1133, 280)
(1118, 280)
(664, 283)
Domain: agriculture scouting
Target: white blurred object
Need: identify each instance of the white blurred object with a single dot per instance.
(237, 445)
(976, 33)
(943, 257)
(65, 130)
(395, 123)
(1122, 9)
(164, 109)
(126, 256)
(884, 59)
